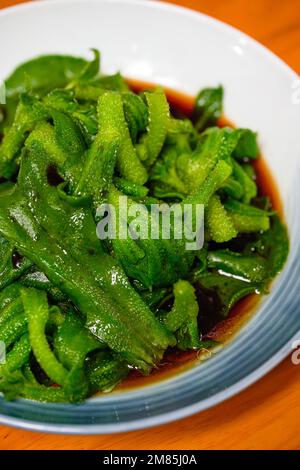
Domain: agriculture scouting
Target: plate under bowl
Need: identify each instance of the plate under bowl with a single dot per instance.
(157, 42)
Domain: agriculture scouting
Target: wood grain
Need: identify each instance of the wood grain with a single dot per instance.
(267, 415)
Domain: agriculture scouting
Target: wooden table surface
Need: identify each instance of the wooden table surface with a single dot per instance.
(267, 415)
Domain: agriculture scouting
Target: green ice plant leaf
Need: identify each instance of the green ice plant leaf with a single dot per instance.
(78, 313)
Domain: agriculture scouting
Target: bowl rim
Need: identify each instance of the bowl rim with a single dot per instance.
(163, 5)
(163, 418)
(249, 379)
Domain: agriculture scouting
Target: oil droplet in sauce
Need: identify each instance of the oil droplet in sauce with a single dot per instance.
(218, 328)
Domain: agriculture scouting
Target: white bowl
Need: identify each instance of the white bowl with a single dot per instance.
(184, 50)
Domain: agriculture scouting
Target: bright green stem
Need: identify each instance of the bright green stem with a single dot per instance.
(37, 312)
